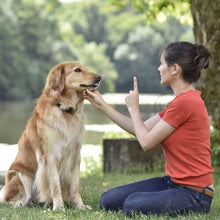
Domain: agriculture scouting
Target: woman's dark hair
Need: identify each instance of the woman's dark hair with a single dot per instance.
(191, 57)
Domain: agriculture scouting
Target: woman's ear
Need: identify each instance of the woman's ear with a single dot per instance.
(176, 69)
(56, 80)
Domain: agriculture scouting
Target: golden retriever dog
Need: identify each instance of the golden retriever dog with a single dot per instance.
(47, 166)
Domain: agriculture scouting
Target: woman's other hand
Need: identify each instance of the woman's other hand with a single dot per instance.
(94, 97)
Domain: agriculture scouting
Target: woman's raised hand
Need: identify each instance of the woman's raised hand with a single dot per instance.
(132, 100)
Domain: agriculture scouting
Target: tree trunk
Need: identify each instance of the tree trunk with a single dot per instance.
(126, 155)
(207, 32)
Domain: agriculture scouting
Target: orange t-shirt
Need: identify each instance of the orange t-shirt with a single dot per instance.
(187, 150)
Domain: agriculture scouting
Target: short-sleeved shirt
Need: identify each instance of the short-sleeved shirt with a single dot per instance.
(187, 150)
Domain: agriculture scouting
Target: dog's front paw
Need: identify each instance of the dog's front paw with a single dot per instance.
(83, 207)
(87, 207)
(58, 204)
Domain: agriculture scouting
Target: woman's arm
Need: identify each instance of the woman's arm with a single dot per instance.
(151, 133)
(121, 120)
(152, 121)
(149, 139)
(140, 130)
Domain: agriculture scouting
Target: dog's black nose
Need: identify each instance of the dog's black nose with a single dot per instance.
(69, 110)
(98, 77)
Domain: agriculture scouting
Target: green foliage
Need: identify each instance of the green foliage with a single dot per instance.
(40, 34)
(92, 168)
(159, 9)
(215, 145)
(30, 43)
(10, 53)
(139, 55)
(118, 29)
(92, 33)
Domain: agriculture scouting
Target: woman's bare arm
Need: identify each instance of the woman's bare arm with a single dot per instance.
(152, 121)
(121, 120)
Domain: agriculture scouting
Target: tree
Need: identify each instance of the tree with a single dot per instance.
(30, 45)
(207, 31)
(12, 63)
(92, 33)
(89, 35)
(139, 54)
(205, 16)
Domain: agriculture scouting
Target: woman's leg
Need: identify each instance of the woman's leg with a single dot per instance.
(114, 198)
(173, 201)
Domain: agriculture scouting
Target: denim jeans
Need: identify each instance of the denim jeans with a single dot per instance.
(156, 196)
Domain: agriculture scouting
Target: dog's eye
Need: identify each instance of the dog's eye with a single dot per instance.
(78, 70)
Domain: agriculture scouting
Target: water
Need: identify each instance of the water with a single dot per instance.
(14, 116)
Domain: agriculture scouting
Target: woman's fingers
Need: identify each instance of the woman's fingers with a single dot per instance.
(92, 93)
(135, 84)
(88, 94)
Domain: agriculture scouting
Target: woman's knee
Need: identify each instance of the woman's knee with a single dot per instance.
(103, 201)
(130, 205)
(111, 200)
(106, 200)
(138, 202)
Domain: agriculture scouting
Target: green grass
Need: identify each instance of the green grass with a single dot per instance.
(92, 188)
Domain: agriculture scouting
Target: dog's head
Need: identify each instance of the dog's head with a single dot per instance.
(72, 75)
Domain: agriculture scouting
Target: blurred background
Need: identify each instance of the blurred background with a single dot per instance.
(114, 42)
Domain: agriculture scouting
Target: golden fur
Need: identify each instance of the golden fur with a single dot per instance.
(47, 166)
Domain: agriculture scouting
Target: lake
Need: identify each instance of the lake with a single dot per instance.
(14, 116)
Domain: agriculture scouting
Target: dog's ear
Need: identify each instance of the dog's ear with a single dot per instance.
(57, 78)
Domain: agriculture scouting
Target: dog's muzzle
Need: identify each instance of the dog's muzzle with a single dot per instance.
(96, 83)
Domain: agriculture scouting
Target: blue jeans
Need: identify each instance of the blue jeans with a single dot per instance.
(155, 196)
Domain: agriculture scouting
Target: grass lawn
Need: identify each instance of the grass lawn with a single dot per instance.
(92, 188)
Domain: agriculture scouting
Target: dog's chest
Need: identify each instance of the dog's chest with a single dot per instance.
(68, 140)
(64, 130)
(71, 130)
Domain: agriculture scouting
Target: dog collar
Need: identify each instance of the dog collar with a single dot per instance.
(69, 110)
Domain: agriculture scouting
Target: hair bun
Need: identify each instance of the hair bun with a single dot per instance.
(202, 56)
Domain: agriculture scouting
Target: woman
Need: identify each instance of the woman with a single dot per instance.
(183, 130)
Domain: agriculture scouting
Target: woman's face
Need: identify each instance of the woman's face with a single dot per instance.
(165, 72)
